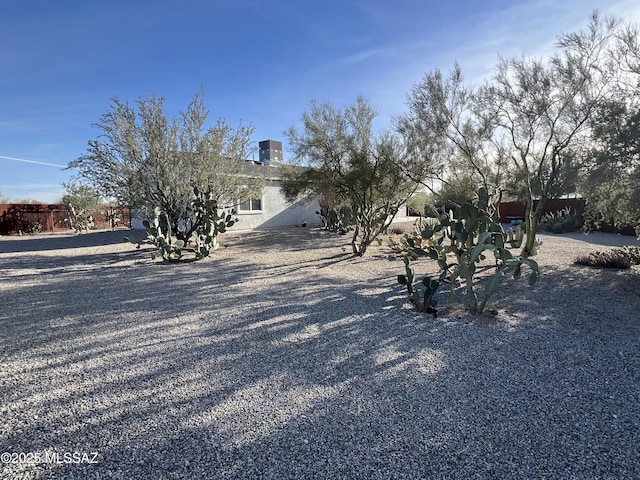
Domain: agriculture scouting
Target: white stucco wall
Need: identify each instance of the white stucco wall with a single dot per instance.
(276, 212)
(402, 216)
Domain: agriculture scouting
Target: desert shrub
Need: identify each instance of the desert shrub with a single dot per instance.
(418, 203)
(563, 221)
(457, 191)
(35, 228)
(557, 228)
(632, 253)
(611, 259)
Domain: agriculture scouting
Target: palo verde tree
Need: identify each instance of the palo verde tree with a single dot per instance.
(443, 120)
(347, 165)
(146, 160)
(543, 107)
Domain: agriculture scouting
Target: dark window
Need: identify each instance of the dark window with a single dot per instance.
(251, 205)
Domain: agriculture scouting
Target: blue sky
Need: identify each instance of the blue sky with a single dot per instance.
(61, 62)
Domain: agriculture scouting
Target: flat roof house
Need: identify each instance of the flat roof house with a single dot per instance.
(269, 210)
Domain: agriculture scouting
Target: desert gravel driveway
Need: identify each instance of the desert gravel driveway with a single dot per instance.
(285, 357)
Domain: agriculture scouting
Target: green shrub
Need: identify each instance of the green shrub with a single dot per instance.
(455, 192)
(418, 202)
(35, 228)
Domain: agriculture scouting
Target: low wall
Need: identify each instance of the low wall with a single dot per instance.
(516, 210)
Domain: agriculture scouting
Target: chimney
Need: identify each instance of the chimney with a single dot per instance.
(270, 151)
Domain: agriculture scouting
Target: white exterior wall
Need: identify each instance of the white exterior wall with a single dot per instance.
(276, 212)
(402, 216)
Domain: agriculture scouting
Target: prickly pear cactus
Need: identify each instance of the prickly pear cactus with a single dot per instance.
(408, 278)
(207, 221)
(459, 240)
(212, 223)
(159, 235)
(430, 288)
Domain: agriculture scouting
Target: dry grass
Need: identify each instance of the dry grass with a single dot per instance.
(611, 259)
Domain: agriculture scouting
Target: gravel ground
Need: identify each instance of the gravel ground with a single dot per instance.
(285, 357)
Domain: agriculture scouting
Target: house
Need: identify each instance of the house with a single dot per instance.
(270, 210)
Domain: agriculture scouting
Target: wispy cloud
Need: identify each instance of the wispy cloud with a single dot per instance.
(366, 55)
(16, 126)
(36, 162)
(525, 28)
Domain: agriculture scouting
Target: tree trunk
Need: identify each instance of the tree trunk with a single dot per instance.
(531, 223)
(354, 241)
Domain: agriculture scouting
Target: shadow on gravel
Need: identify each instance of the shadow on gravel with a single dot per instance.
(226, 369)
(578, 295)
(45, 242)
(292, 239)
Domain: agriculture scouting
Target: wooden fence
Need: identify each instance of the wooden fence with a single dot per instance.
(34, 218)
